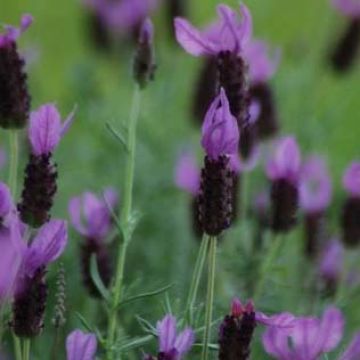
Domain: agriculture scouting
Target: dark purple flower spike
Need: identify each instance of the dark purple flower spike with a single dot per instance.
(351, 209)
(31, 289)
(315, 196)
(346, 50)
(171, 345)
(81, 346)
(237, 329)
(45, 133)
(14, 96)
(91, 218)
(283, 170)
(220, 137)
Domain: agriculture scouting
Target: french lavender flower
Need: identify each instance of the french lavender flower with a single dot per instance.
(45, 132)
(310, 338)
(345, 52)
(262, 67)
(237, 329)
(90, 216)
(283, 170)
(14, 96)
(81, 346)
(144, 62)
(331, 266)
(6, 203)
(171, 345)
(351, 209)
(30, 292)
(315, 196)
(187, 178)
(225, 40)
(220, 137)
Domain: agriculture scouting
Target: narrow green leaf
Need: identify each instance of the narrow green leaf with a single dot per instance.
(116, 219)
(95, 276)
(84, 323)
(118, 136)
(135, 343)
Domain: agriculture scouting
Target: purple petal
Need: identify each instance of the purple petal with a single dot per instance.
(275, 342)
(353, 350)
(315, 185)
(191, 39)
(45, 129)
(5, 201)
(245, 28)
(147, 32)
(75, 210)
(283, 320)
(220, 133)
(187, 173)
(81, 346)
(348, 7)
(237, 308)
(184, 341)
(111, 196)
(331, 330)
(166, 329)
(26, 21)
(332, 260)
(48, 245)
(351, 179)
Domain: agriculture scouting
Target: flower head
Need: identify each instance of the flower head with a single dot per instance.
(351, 179)
(46, 129)
(331, 261)
(349, 8)
(220, 133)
(12, 33)
(262, 66)
(315, 185)
(308, 339)
(173, 346)
(90, 215)
(229, 33)
(81, 346)
(187, 173)
(285, 161)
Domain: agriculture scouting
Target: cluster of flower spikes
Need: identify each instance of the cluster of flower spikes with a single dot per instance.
(14, 96)
(237, 329)
(23, 265)
(220, 137)
(283, 170)
(90, 216)
(45, 132)
(347, 48)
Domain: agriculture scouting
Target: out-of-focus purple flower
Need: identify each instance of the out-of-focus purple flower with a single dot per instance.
(220, 133)
(5, 201)
(90, 215)
(12, 33)
(286, 160)
(228, 34)
(262, 66)
(81, 346)
(351, 179)
(349, 8)
(46, 129)
(187, 173)
(171, 345)
(331, 261)
(308, 339)
(315, 185)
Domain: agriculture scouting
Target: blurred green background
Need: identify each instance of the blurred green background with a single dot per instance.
(321, 108)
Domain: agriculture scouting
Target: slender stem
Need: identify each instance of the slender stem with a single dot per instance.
(55, 350)
(268, 262)
(209, 297)
(17, 347)
(26, 348)
(244, 189)
(195, 282)
(14, 155)
(125, 218)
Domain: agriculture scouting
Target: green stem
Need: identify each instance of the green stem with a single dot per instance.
(14, 155)
(195, 282)
(26, 348)
(209, 297)
(268, 262)
(125, 218)
(17, 347)
(244, 189)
